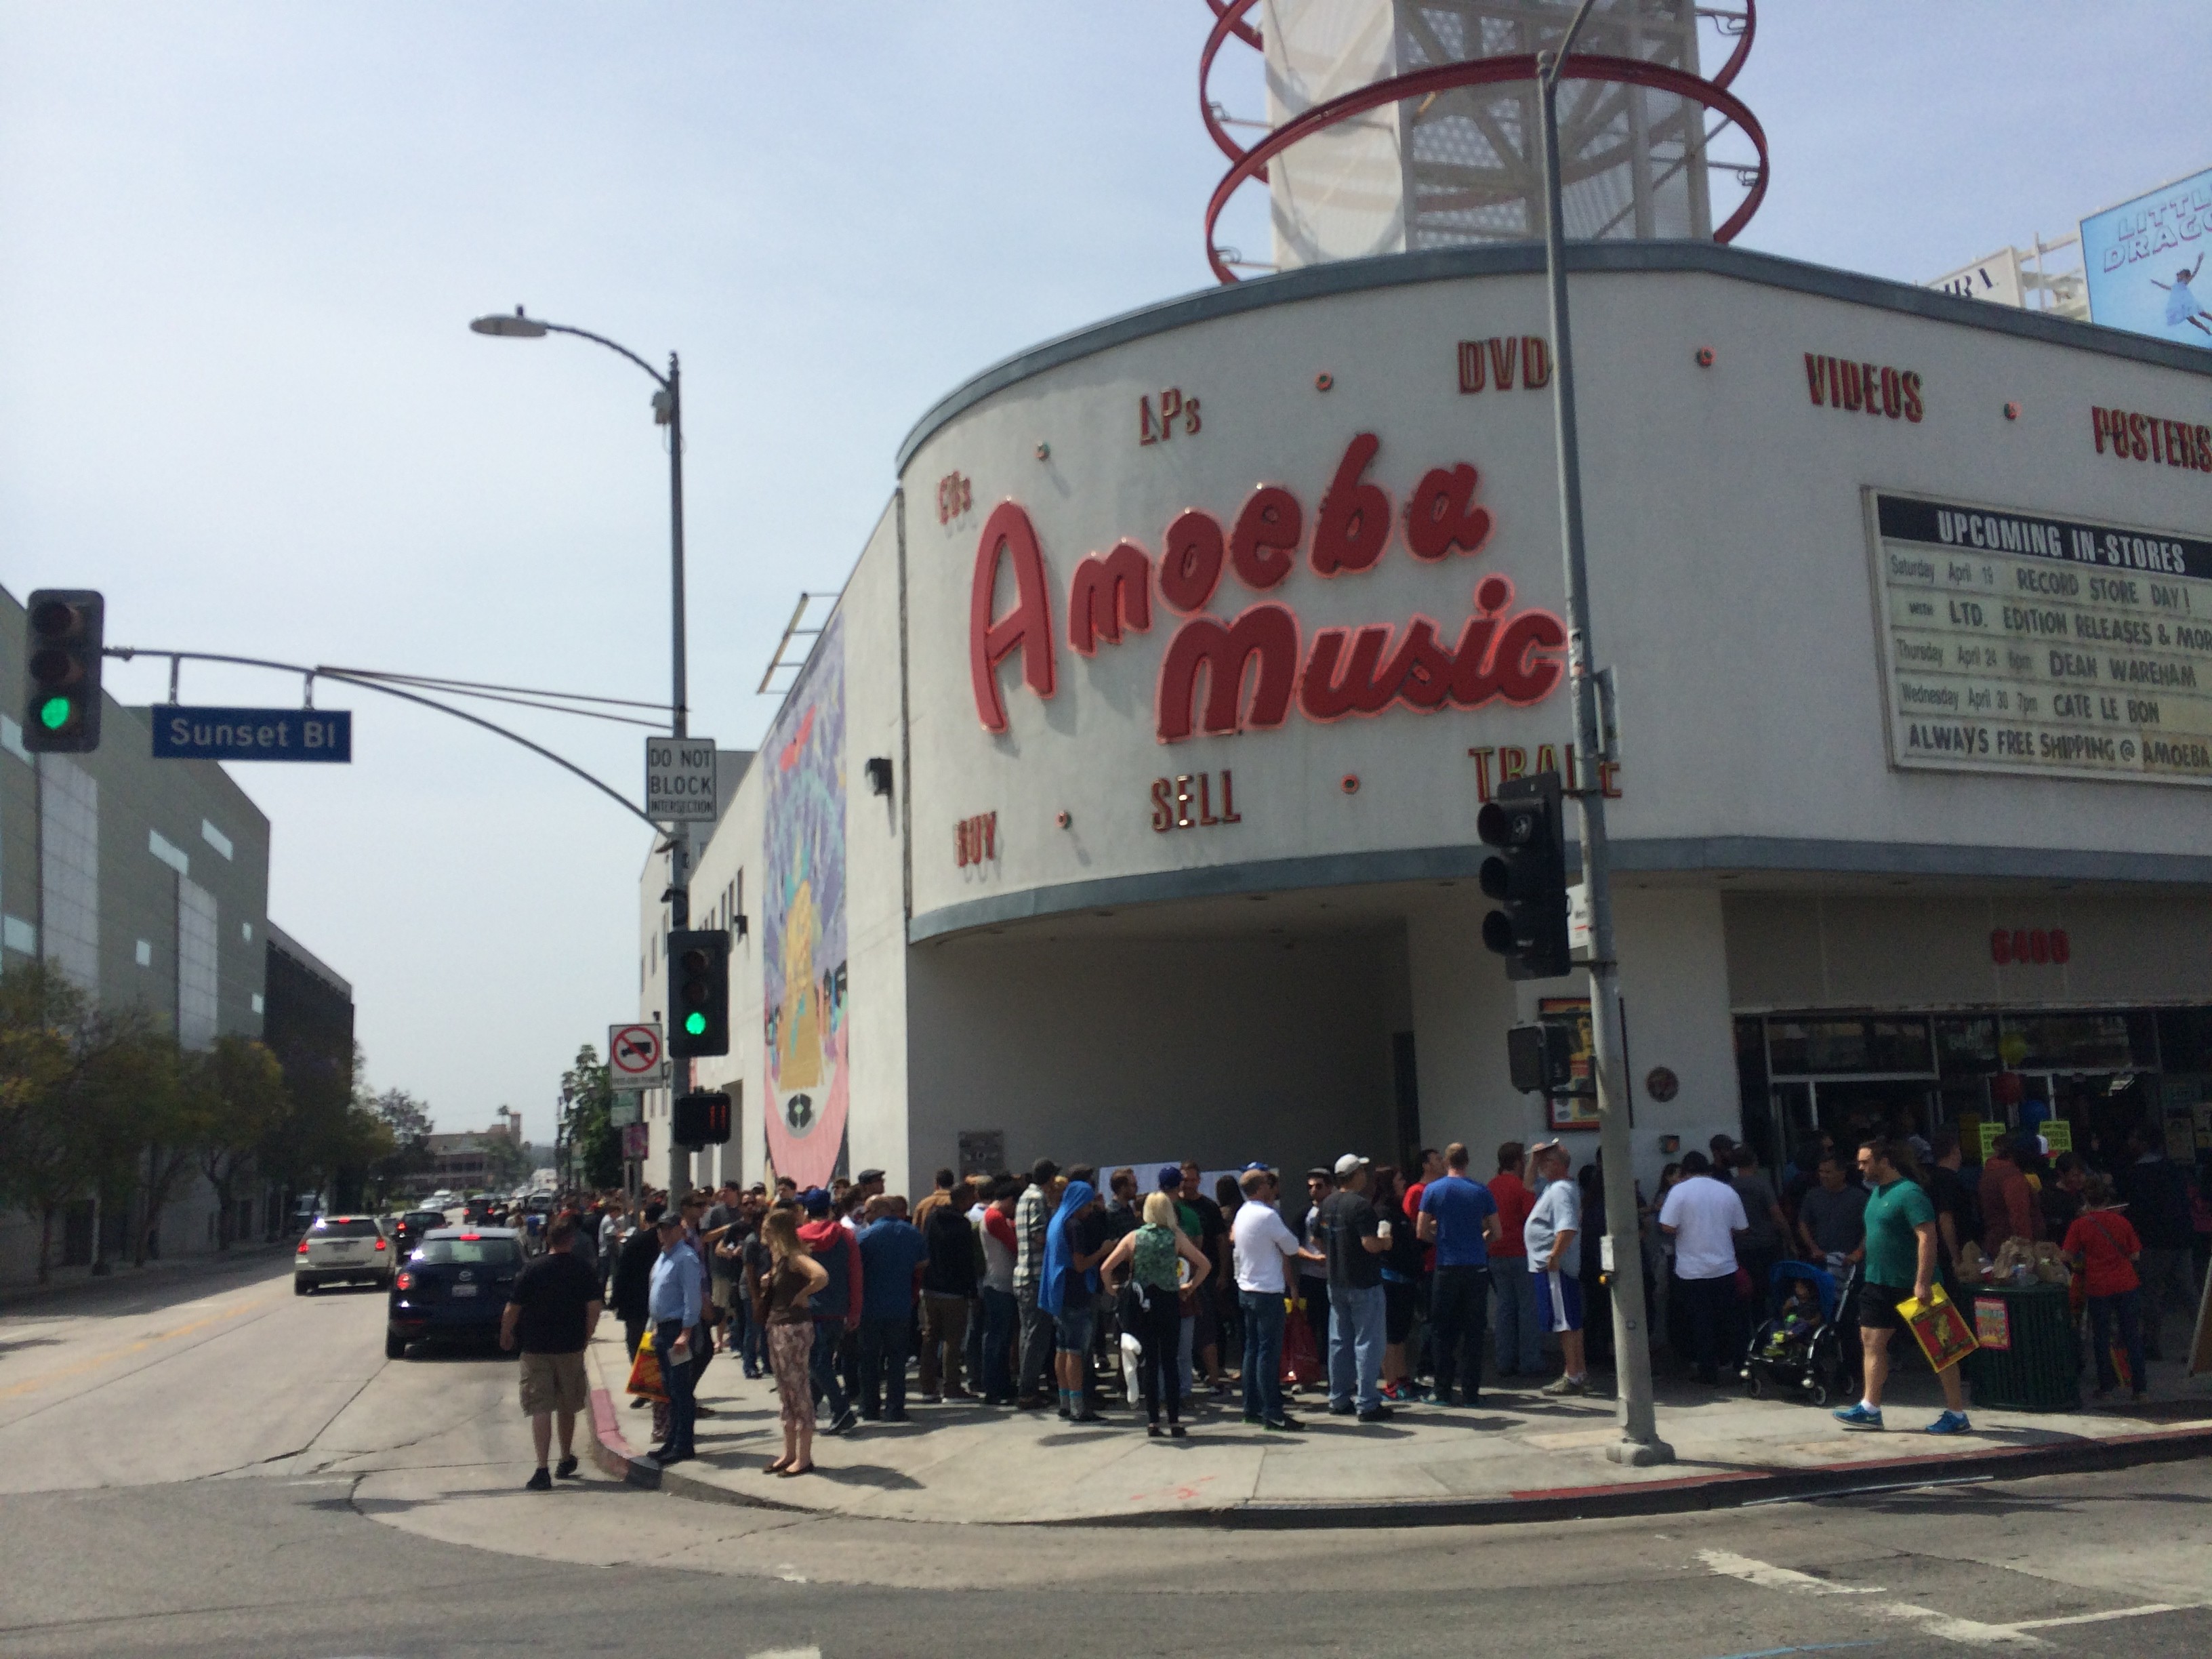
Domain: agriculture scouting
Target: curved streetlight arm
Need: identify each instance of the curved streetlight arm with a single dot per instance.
(613, 345)
(127, 651)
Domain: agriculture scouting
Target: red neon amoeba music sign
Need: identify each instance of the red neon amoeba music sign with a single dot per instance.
(1247, 671)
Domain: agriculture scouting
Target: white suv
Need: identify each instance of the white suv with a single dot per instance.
(349, 1249)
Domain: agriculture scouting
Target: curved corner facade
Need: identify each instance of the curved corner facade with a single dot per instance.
(1164, 697)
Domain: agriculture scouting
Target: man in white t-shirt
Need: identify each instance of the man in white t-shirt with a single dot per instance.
(1264, 1249)
(1552, 1236)
(1705, 1218)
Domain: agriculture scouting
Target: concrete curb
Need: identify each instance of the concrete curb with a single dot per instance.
(612, 1455)
(1722, 1490)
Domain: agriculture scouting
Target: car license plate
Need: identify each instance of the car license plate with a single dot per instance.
(464, 1290)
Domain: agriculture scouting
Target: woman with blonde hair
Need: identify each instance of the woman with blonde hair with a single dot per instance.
(1149, 1305)
(794, 1277)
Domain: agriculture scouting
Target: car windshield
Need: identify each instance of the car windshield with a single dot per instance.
(425, 1219)
(347, 1227)
(494, 1252)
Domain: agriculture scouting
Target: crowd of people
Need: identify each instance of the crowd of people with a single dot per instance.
(1375, 1286)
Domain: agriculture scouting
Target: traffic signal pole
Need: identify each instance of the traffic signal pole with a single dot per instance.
(1639, 1443)
(679, 835)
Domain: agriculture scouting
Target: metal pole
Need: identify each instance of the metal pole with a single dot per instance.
(1640, 1442)
(679, 835)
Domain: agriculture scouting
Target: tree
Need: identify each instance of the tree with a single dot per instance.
(594, 1142)
(406, 1122)
(238, 1100)
(76, 1084)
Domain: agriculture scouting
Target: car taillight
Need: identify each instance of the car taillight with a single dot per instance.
(380, 1243)
(471, 1238)
(303, 1247)
(405, 1281)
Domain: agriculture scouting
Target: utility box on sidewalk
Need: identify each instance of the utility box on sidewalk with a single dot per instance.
(2027, 1360)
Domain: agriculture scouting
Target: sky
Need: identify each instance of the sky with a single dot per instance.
(240, 243)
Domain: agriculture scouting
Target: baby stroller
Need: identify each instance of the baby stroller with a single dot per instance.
(1800, 1352)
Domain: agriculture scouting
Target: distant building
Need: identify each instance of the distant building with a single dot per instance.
(476, 1157)
(147, 883)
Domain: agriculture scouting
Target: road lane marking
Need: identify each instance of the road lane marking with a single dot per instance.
(1971, 1631)
(1768, 1576)
(1932, 1622)
(2148, 1608)
(102, 1360)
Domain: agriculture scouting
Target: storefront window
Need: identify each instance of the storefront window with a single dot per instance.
(2082, 1042)
(1826, 1048)
(2184, 1039)
(1966, 1048)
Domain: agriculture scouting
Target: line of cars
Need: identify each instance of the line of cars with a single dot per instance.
(443, 1282)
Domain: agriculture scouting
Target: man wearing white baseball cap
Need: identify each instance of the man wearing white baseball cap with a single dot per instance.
(1354, 1238)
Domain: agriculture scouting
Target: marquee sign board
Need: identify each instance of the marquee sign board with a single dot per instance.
(2017, 642)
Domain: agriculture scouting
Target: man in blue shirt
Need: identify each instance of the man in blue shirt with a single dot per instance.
(673, 1305)
(1459, 1217)
(892, 1252)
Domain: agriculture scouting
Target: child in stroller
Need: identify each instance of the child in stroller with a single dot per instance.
(1808, 1348)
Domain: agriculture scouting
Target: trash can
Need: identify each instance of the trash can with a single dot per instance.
(2027, 1360)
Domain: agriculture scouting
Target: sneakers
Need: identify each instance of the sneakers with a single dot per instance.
(566, 1469)
(844, 1422)
(1283, 1425)
(1864, 1416)
(1335, 1410)
(1254, 1418)
(1560, 1387)
(1376, 1414)
(540, 1481)
(1949, 1423)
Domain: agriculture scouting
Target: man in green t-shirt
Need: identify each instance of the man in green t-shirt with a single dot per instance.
(1900, 1262)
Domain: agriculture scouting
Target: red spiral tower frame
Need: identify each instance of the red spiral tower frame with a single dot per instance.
(1249, 164)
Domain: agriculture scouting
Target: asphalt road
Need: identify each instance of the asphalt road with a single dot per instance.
(217, 1467)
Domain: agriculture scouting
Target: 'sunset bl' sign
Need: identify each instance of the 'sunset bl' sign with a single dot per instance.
(252, 734)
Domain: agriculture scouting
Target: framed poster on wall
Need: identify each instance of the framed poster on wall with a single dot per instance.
(1576, 1111)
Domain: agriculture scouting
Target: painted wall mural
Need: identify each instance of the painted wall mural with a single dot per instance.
(809, 1072)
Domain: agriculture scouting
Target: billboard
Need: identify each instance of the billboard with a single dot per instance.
(1995, 279)
(2145, 262)
(2017, 642)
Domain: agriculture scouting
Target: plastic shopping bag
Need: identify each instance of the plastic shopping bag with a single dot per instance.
(1301, 1355)
(644, 1372)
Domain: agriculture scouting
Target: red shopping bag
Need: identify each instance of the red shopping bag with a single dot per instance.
(1301, 1357)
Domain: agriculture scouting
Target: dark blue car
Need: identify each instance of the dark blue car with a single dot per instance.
(453, 1287)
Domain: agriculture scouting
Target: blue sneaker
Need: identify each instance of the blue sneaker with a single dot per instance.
(1951, 1423)
(1860, 1416)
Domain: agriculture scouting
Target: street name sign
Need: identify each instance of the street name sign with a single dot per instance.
(252, 734)
(679, 780)
(636, 1058)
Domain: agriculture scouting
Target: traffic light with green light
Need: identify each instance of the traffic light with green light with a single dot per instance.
(698, 992)
(61, 701)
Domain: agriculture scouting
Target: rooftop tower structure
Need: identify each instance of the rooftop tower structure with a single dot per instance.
(1397, 125)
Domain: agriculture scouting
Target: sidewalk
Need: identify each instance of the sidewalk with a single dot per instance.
(1517, 1457)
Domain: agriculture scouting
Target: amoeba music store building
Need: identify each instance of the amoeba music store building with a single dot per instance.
(1124, 810)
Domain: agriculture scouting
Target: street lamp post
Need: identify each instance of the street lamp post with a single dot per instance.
(1639, 1443)
(668, 411)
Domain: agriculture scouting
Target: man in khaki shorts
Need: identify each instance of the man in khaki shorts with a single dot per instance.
(550, 1315)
